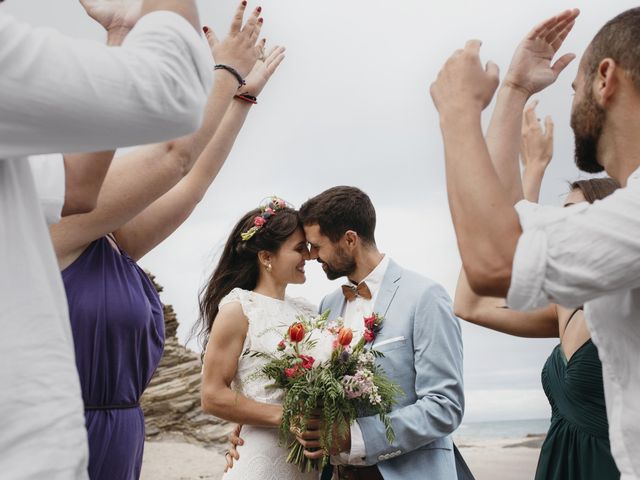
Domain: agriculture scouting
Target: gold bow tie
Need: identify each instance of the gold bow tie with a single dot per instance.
(351, 291)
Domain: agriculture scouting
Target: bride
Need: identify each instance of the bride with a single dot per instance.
(243, 307)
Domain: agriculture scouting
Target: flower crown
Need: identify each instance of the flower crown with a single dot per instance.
(270, 209)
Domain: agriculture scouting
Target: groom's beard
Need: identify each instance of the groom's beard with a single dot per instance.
(342, 266)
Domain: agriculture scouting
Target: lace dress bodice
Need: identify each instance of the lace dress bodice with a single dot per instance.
(269, 319)
(261, 457)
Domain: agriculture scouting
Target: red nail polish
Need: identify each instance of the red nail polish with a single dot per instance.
(259, 9)
(244, 4)
(205, 29)
(260, 20)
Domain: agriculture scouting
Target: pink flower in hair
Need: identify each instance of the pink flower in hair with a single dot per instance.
(259, 221)
(270, 211)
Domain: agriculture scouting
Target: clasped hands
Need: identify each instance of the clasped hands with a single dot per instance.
(310, 439)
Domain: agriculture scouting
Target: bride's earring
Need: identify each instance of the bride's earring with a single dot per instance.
(269, 267)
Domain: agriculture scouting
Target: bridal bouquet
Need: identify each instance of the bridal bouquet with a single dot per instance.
(338, 388)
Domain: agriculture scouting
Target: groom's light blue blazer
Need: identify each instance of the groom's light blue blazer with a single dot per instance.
(422, 347)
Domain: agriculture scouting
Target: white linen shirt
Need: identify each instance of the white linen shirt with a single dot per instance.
(590, 254)
(49, 179)
(60, 95)
(353, 316)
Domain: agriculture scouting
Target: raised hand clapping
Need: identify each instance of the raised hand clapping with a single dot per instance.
(240, 49)
(537, 144)
(262, 71)
(464, 84)
(531, 69)
(117, 17)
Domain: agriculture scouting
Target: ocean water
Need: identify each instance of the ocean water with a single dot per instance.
(506, 429)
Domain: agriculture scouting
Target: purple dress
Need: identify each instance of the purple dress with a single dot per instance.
(118, 332)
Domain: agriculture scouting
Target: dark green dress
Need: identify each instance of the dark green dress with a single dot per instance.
(577, 444)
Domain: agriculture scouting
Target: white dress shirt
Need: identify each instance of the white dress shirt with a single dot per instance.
(590, 254)
(353, 316)
(49, 179)
(57, 95)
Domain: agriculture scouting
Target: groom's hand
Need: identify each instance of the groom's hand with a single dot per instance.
(310, 440)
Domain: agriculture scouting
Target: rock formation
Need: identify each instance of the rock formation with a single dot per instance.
(171, 402)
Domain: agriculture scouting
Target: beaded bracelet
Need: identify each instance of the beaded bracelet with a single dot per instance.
(232, 71)
(246, 97)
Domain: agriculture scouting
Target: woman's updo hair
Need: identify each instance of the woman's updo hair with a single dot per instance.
(239, 266)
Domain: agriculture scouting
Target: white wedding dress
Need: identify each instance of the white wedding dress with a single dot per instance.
(261, 456)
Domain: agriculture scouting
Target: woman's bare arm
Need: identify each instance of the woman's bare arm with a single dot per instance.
(491, 312)
(166, 214)
(137, 179)
(536, 151)
(220, 365)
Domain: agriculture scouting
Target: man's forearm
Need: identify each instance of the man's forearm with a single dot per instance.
(485, 221)
(184, 8)
(84, 175)
(421, 423)
(503, 139)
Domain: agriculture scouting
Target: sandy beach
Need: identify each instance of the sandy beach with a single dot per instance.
(489, 459)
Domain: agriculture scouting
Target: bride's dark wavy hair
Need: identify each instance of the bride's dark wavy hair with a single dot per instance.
(238, 266)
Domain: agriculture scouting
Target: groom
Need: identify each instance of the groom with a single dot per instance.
(420, 339)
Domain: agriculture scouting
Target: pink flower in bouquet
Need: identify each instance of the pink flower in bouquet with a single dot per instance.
(259, 221)
(369, 336)
(359, 385)
(307, 361)
(370, 322)
(345, 335)
(291, 372)
(281, 345)
(296, 332)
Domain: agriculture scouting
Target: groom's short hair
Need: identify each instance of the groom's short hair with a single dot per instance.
(340, 209)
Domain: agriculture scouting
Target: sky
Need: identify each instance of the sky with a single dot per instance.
(350, 105)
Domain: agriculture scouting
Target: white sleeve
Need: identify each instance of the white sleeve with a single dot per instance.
(358, 450)
(59, 94)
(575, 254)
(49, 178)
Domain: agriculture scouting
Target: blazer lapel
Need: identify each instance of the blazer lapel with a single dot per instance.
(388, 288)
(338, 306)
(335, 303)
